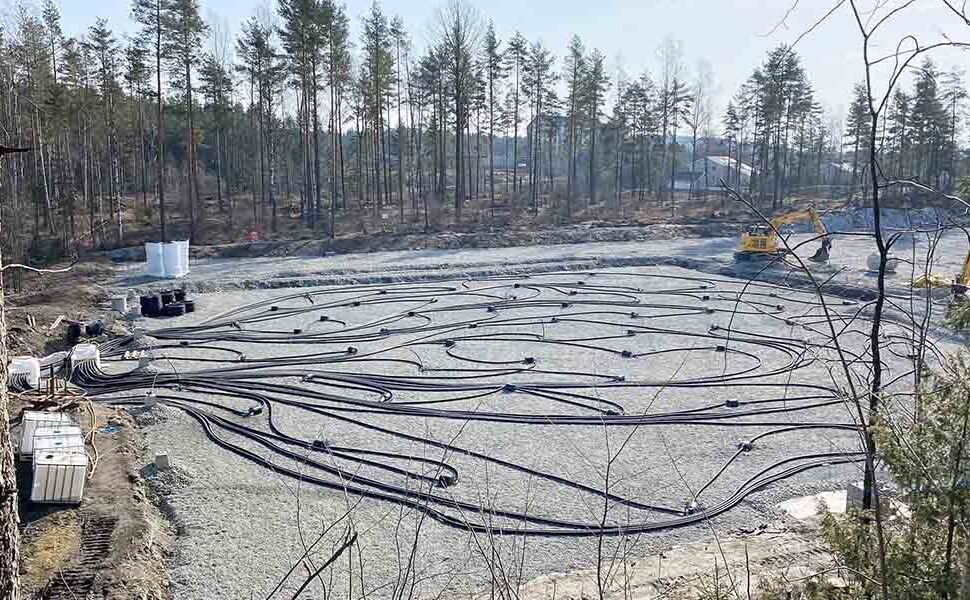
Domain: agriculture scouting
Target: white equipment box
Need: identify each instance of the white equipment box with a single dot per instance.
(32, 421)
(58, 438)
(59, 477)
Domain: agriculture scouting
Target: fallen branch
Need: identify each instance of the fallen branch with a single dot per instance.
(43, 271)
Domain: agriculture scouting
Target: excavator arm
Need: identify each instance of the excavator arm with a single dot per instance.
(809, 214)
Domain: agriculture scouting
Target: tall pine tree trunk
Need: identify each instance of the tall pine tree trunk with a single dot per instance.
(9, 518)
(317, 193)
(160, 121)
(400, 146)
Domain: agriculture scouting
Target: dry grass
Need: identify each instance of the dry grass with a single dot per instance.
(48, 546)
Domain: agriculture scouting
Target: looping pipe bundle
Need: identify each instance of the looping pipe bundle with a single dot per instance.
(349, 369)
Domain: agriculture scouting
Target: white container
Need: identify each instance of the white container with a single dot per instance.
(29, 366)
(184, 255)
(872, 263)
(59, 477)
(47, 439)
(33, 420)
(154, 259)
(172, 256)
(83, 353)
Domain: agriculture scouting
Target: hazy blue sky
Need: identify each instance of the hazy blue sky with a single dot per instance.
(733, 35)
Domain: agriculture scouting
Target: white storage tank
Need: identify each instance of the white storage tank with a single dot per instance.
(29, 366)
(34, 419)
(59, 477)
(154, 259)
(184, 255)
(173, 259)
(47, 439)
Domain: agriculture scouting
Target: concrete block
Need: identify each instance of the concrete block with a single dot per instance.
(854, 496)
(161, 461)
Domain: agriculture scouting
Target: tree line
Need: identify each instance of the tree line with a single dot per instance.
(177, 125)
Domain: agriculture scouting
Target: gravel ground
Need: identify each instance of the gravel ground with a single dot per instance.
(847, 266)
(242, 527)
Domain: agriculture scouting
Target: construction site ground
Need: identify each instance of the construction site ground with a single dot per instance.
(243, 527)
(215, 532)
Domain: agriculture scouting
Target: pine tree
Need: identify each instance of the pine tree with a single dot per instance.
(399, 35)
(258, 57)
(148, 13)
(301, 37)
(516, 55)
(574, 72)
(857, 131)
(339, 74)
(103, 47)
(596, 85)
(183, 45)
(495, 72)
(538, 89)
(953, 96)
(778, 96)
(52, 21)
(929, 125)
(732, 131)
(136, 77)
(898, 134)
(378, 65)
(460, 29)
(216, 87)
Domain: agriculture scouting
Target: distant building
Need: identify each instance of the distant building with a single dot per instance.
(556, 124)
(836, 173)
(707, 173)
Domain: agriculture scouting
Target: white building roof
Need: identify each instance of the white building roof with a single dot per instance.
(845, 167)
(729, 163)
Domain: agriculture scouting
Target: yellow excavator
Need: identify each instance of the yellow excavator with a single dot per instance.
(936, 280)
(760, 242)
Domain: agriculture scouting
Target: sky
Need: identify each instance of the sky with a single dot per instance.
(732, 35)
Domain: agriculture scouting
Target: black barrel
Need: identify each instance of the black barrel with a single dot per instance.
(189, 306)
(151, 305)
(168, 297)
(179, 295)
(74, 332)
(94, 328)
(175, 309)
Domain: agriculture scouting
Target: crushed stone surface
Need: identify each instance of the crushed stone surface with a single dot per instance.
(243, 526)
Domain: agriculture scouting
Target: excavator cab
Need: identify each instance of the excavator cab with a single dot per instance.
(758, 238)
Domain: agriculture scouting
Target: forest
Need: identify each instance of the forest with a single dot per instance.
(295, 128)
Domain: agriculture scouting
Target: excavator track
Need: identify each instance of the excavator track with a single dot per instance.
(77, 582)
